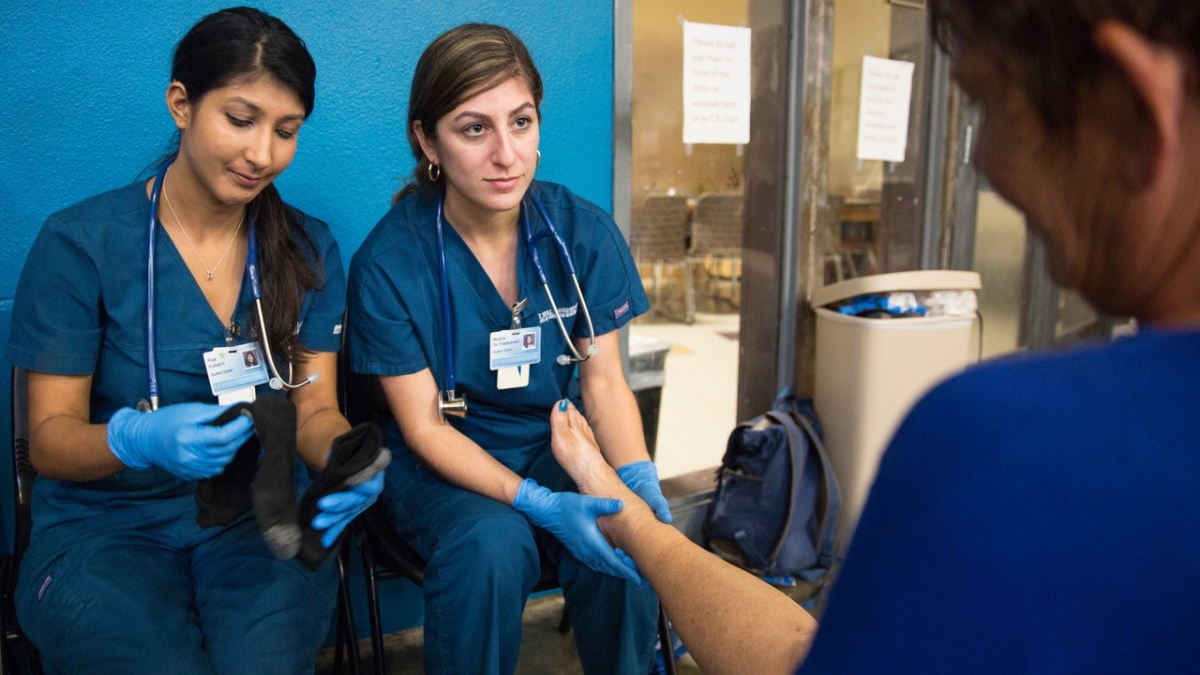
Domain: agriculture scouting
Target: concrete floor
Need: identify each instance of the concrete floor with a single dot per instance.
(544, 651)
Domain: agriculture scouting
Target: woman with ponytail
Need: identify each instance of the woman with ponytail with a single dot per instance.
(120, 577)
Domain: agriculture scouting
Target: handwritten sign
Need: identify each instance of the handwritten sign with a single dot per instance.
(716, 83)
(883, 109)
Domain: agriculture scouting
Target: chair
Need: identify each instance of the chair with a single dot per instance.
(385, 555)
(23, 476)
(658, 238)
(717, 239)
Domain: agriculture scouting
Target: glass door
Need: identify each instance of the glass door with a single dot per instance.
(686, 204)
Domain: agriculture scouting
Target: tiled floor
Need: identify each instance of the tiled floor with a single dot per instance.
(699, 400)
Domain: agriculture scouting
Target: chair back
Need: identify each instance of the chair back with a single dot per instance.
(659, 229)
(23, 472)
(23, 477)
(363, 400)
(717, 224)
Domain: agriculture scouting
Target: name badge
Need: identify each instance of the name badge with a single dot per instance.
(516, 347)
(234, 369)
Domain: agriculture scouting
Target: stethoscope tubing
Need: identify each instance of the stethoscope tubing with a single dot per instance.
(151, 342)
(447, 319)
(277, 382)
(531, 241)
(565, 254)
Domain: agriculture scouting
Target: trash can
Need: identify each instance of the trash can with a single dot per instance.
(647, 375)
(870, 371)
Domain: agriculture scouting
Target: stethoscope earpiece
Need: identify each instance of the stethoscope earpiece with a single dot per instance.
(563, 359)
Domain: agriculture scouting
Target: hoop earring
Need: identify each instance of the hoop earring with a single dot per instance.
(539, 157)
(434, 172)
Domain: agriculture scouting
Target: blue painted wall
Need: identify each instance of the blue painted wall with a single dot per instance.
(81, 110)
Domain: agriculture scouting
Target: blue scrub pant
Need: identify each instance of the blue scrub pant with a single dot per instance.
(157, 594)
(483, 561)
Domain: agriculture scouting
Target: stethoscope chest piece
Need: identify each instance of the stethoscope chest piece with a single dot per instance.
(452, 403)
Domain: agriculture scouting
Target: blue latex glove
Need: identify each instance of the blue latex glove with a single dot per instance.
(572, 518)
(339, 508)
(177, 438)
(642, 478)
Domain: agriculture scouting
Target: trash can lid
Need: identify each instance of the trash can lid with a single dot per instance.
(918, 280)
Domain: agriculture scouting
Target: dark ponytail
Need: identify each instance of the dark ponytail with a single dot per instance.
(242, 42)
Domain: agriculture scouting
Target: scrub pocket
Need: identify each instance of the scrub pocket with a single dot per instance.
(46, 604)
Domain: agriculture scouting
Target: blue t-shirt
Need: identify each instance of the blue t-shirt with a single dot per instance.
(395, 301)
(1034, 515)
(80, 309)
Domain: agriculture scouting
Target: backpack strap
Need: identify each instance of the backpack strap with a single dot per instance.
(827, 537)
(795, 443)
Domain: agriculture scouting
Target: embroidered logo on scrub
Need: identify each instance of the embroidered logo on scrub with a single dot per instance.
(565, 312)
(620, 311)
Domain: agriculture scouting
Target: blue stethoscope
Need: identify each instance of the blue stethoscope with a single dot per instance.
(276, 382)
(450, 402)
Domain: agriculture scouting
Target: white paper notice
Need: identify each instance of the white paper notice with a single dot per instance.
(883, 110)
(716, 83)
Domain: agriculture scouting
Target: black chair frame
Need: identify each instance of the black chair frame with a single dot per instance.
(23, 477)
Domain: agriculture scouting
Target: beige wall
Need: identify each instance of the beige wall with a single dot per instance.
(660, 159)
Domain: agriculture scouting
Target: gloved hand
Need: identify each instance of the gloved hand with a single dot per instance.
(572, 518)
(177, 438)
(642, 478)
(339, 508)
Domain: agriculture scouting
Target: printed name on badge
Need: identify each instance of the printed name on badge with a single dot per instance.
(515, 347)
(233, 368)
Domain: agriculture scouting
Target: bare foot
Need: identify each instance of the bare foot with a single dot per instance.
(574, 446)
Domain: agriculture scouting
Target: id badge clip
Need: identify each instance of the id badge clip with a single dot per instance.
(512, 352)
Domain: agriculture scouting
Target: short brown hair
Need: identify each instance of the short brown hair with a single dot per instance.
(1047, 47)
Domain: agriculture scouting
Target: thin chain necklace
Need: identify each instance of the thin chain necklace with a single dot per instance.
(228, 247)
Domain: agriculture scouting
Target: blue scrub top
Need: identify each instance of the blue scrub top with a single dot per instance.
(80, 309)
(395, 302)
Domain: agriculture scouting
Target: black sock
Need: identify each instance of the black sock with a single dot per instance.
(275, 482)
(268, 485)
(357, 455)
(225, 496)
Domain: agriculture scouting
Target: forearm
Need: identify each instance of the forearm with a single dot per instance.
(615, 418)
(63, 444)
(612, 410)
(318, 420)
(730, 621)
(462, 462)
(315, 433)
(67, 448)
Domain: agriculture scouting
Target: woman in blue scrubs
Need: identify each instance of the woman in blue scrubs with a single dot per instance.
(481, 497)
(119, 578)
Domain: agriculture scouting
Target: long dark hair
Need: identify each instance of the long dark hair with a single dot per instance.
(242, 42)
(459, 64)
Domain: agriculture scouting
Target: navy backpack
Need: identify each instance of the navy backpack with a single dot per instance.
(775, 509)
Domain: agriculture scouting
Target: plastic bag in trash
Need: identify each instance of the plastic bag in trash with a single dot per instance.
(951, 303)
(875, 305)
